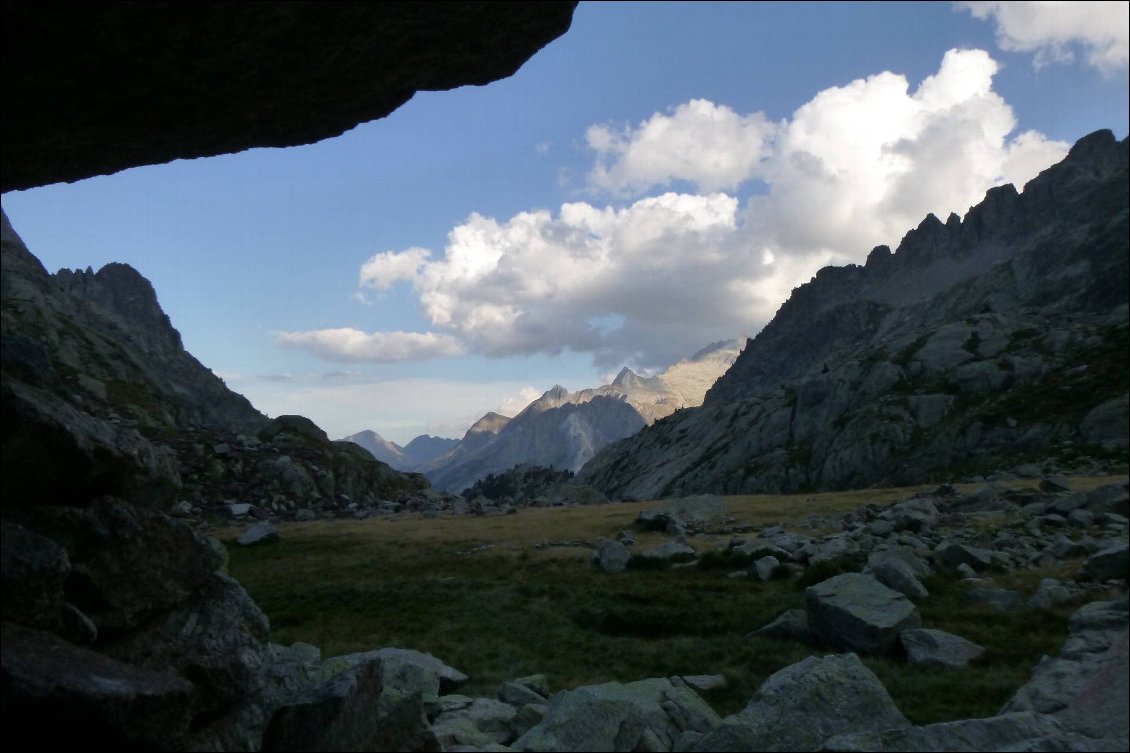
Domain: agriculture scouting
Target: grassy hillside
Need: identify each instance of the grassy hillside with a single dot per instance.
(514, 595)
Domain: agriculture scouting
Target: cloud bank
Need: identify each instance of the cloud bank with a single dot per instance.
(1052, 30)
(353, 345)
(650, 278)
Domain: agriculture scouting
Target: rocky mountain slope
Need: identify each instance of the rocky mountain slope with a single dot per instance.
(981, 343)
(563, 429)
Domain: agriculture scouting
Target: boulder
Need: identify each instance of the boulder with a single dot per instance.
(647, 715)
(765, 567)
(858, 613)
(937, 647)
(951, 554)
(804, 704)
(611, 556)
(218, 638)
(893, 571)
(1050, 593)
(260, 533)
(518, 694)
(128, 564)
(1109, 563)
(339, 715)
(695, 513)
(59, 695)
(483, 722)
(790, 625)
(674, 551)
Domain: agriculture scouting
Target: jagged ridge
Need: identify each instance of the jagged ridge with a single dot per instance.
(981, 343)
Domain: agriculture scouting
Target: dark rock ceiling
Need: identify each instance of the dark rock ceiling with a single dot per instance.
(93, 88)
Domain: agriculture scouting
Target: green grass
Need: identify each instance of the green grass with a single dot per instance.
(511, 610)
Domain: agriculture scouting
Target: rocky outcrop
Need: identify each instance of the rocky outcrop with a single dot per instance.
(99, 89)
(119, 620)
(982, 343)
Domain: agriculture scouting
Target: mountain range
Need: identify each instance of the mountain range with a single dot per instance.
(408, 458)
(560, 429)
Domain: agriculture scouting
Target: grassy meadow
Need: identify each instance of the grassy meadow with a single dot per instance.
(487, 597)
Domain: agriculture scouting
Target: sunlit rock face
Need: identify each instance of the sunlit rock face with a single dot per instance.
(93, 88)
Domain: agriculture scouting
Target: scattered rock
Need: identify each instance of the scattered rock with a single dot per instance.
(937, 647)
(675, 551)
(952, 554)
(611, 556)
(893, 571)
(695, 513)
(858, 613)
(1109, 563)
(260, 533)
(765, 567)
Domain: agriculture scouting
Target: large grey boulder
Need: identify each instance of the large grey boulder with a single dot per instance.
(937, 647)
(611, 556)
(647, 715)
(804, 704)
(339, 715)
(858, 613)
(404, 669)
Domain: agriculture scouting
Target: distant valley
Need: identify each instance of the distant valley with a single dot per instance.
(561, 429)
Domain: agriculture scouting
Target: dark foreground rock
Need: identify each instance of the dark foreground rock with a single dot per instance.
(88, 108)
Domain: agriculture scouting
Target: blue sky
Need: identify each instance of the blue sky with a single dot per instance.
(658, 178)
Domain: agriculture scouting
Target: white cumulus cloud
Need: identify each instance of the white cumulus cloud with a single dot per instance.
(1053, 30)
(353, 345)
(650, 282)
(382, 270)
(707, 144)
